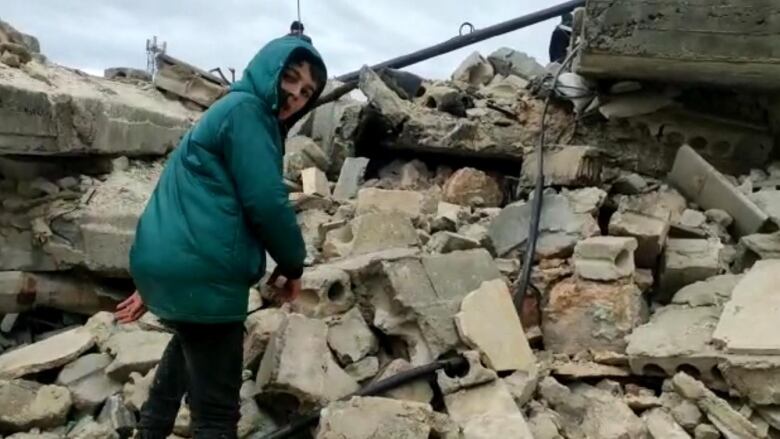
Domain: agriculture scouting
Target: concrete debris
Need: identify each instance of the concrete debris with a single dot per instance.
(135, 351)
(508, 61)
(351, 177)
(486, 409)
(364, 369)
(447, 242)
(301, 153)
(473, 188)
(714, 291)
(706, 431)
(260, 327)
(418, 390)
(88, 428)
(350, 338)
(187, 81)
(136, 390)
(605, 258)
(369, 417)
(753, 248)
(474, 70)
(47, 354)
(477, 374)
(501, 338)
(409, 203)
(687, 261)
(572, 166)
(117, 416)
(25, 405)
(315, 182)
(369, 233)
(649, 225)
(87, 381)
(662, 425)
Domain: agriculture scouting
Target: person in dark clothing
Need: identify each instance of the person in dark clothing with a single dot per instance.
(559, 41)
(200, 244)
(296, 30)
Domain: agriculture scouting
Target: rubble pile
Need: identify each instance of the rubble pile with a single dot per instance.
(650, 311)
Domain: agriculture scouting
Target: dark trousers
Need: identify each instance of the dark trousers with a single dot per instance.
(205, 362)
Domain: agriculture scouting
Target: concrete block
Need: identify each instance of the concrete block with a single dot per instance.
(701, 42)
(260, 327)
(570, 166)
(117, 416)
(364, 369)
(703, 184)
(325, 291)
(88, 384)
(46, 354)
(136, 391)
(649, 232)
(715, 291)
(371, 200)
(369, 233)
(477, 375)
(591, 315)
(747, 323)
(25, 405)
(755, 377)
(72, 115)
(605, 257)
(187, 81)
(488, 399)
(350, 338)
(350, 178)
(753, 248)
(508, 61)
(135, 351)
(315, 182)
(501, 338)
(686, 261)
(370, 417)
(447, 242)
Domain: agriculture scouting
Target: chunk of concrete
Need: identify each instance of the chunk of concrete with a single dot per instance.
(298, 362)
(501, 338)
(88, 384)
(117, 416)
(386, 201)
(364, 369)
(687, 261)
(351, 177)
(729, 421)
(477, 374)
(418, 390)
(607, 416)
(650, 230)
(661, 425)
(570, 166)
(88, 428)
(747, 323)
(590, 315)
(560, 227)
(136, 390)
(472, 187)
(325, 291)
(135, 351)
(47, 354)
(370, 417)
(21, 291)
(72, 114)
(703, 184)
(755, 377)
(474, 70)
(447, 242)
(508, 61)
(26, 404)
(301, 153)
(605, 258)
(370, 233)
(315, 182)
(756, 247)
(492, 426)
(187, 81)
(706, 431)
(488, 399)
(260, 327)
(350, 338)
(715, 291)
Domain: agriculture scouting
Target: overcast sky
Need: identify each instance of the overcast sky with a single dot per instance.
(95, 34)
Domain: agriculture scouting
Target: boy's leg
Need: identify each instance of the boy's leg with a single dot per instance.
(159, 412)
(214, 359)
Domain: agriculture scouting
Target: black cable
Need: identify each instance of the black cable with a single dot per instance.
(309, 419)
(536, 212)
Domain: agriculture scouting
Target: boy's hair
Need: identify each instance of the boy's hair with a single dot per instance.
(318, 74)
(296, 26)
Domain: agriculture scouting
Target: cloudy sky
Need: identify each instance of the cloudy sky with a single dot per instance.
(95, 34)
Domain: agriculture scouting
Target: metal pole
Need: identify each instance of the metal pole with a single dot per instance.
(471, 38)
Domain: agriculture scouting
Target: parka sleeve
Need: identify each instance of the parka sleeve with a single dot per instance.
(255, 164)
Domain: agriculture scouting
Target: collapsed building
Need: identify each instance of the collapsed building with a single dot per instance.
(650, 308)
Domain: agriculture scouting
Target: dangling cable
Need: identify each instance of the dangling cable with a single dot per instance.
(299, 11)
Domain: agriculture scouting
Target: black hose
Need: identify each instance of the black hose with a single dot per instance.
(399, 379)
(536, 212)
(471, 38)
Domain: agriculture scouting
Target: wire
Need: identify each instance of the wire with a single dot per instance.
(536, 212)
(299, 11)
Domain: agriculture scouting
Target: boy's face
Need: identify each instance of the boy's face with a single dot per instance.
(297, 88)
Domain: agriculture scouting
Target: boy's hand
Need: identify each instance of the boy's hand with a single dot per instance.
(285, 290)
(131, 309)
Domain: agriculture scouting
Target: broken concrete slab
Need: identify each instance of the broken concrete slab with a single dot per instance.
(117, 416)
(487, 399)
(492, 426)
(501, 338)
(350, 178)
(745, 327)
(560, 227)
(26, 404)
(325, 291)
(298, 362)
(474, 70)
(754, 248)
(730, 422)
(370, 417)
(372, 200)
(571, 166)
(68, 113)
(418, 390)
(88, 384)
(369, 233)
(590, 315)
(605, 258)
(755, 377)
(88, 428)
(578, 370)
(350, 338)
(706, 431)
(315, 182)
(686, 261)
(50, 353)
(135, 351)
(607, 416)
(187, 81)
(508, 61)
(662, 425)
(260, 327)
(447, 242)
(703, 184)
(136, 391)
(364, 369)
(714, 291)
(650, 232)
(472, 187)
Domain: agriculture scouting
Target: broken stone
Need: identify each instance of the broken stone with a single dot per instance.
(474, 70)
(472, 187)
(706, 431)
(586, 200)
(418, 390)
(87, 428)
(687, 414)
(581, 370)
(714, 291)
(501, 339)
(726, 419)
(492, 426)
(187, 81)
(522, 386)
(630, 184)
(560, 227)
(370, 233)
(703, 184)
(136, 390)
(754, 377)
(756, 247)
(370, 417)
(605, 258)
(570, 166)
(746, 327)
(544, 423)
(315, 182)
(409, 203)
(182, 425)
(88, 384)
(650, 230)
(350, 338)
(687, 261)
(508, 61)
(364, 369)
(489, 406)
(118, 417)
(350, 178)
(260, 327)
(26, 404)
(589, 315)
(447, 242)
(607, 416)
(135, 351)
(477, 374)
(298, 362)
(448, 217)
(47, 354)
(692, 218)
(661, 425)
